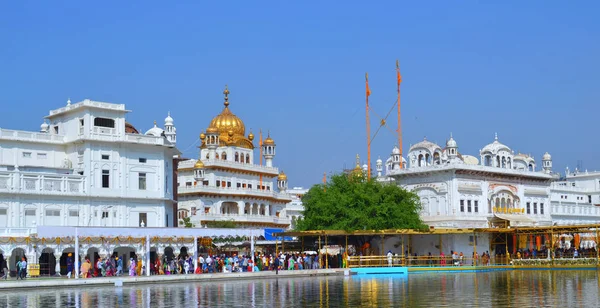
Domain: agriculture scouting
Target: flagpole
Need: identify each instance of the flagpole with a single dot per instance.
(368, 92)
(260, 143)
(399, 77)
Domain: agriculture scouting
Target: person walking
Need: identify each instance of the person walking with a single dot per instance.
(23, 270)
(276, 265)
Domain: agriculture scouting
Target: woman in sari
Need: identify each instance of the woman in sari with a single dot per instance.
(131, 267)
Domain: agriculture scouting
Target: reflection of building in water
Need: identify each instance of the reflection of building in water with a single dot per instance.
(497, 188)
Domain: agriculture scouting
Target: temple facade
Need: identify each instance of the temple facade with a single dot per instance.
(228, 182)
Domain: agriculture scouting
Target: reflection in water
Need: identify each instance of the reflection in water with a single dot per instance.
(490, 289)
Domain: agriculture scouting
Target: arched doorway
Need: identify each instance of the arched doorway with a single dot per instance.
(183, 252)
(230, 208)
(67, 253)
(169, 255)
(16, 256)
(126, 254)
(47, 262)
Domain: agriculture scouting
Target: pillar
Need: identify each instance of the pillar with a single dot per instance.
(160, 258)
(382, 249)
(252, 248)
(195, 255)
(57, 267)
(147, 255)
(474, 248)
(76, 256)
(326, 254)
(319, 253)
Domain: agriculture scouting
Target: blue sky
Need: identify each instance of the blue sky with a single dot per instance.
(527, 70)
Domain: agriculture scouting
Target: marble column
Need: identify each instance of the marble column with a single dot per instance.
(57, 266)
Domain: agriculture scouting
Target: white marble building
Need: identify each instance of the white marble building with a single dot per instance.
(87, 167)
(228, 182)
(496, 188)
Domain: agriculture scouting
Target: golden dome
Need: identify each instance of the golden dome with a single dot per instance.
(229, 127)
(202, 136)
(358, 172)
(251, 136)
(199, 164)
(269, 141)
(227, 121)
(282, 176)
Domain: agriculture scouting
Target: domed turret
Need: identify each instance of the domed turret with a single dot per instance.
(199, 170)
(155, 131)
(547, 163)
(379, 166)
(269, 150)
(170, 130)
(282, 182)
(44, 127)
(451, 148)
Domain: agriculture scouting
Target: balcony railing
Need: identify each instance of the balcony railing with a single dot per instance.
(41, 183)
(189, 164)
(244, 218)
(30, 136)
(234, 191)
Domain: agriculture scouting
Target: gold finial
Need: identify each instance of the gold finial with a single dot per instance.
(154, 122)
(226, 93)
(357, 160)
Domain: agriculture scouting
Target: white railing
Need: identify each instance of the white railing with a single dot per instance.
(104, 130)
(16, 231)
(234, 191)
(566, 186)
(244, 218)
(576, 210)
(89, 103)
(189, 164)
(30, 136)
(41, 183)
(145, 139)
(470, 168)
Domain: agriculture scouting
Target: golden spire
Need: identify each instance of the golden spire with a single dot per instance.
(226, 93)
(357, 161)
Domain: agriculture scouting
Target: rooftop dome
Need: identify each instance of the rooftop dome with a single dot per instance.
(395, 150)
(451, 143)
(199, 164)
(495, 146)
(282, 176)
(425, 144)
(44, 127)
(168, 119)
(230, 128)
(155, 131)
(547, 156)
(226, 120)
(269, 141)
(130, 129)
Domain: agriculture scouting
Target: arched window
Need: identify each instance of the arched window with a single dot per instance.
(217, 155)
(247, 158)
(421, 162)
(224, 156)
(436, 158)
(530, 167)
(503, 162)
(237, 157)
(508, 163)
(427, 159)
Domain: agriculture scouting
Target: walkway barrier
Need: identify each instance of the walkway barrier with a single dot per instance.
(416, 261)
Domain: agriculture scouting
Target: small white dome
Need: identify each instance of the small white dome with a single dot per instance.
(451, 143)
(168, 119)
(395, 150)
(379, 161)
(425, 144)
(44, 128)
(495, 146)
(155, 131)
(547, 156)
(365, 167)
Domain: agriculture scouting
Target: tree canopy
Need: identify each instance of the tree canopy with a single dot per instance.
(350, 203)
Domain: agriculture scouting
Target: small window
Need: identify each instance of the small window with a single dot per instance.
(143, 219)
(105, 157)
(74, 213)
(476, 206)
(42, 155)
(188, 184)
(30, 212)
(541, 208)
(535, 208)
(80, 122)
(56, 129)
(53, 213)
(589, 199)
(528, 207)
(104, 214)
(103, 122)
(105, 178)
(26, 154)
(249, 186)
(142, 160)
(462, 206)
(142, 181)
(3, 211)
(193, 211)
(469, 206)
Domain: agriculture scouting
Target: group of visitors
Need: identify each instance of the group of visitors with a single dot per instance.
(105, 267)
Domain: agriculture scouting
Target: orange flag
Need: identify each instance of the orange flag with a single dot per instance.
(398, 73)
(367, 82)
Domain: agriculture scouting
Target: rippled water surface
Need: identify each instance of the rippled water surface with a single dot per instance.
(491, 289)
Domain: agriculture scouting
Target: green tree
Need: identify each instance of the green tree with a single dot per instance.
(221, 223)
(186, 222)
(351, 202)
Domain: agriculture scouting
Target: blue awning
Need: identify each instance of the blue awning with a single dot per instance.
(270, 237)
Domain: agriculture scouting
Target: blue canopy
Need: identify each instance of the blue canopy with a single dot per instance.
(270, 237)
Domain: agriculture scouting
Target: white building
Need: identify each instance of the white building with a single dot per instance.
(497, 188)
(228, 182)
(87, 167)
